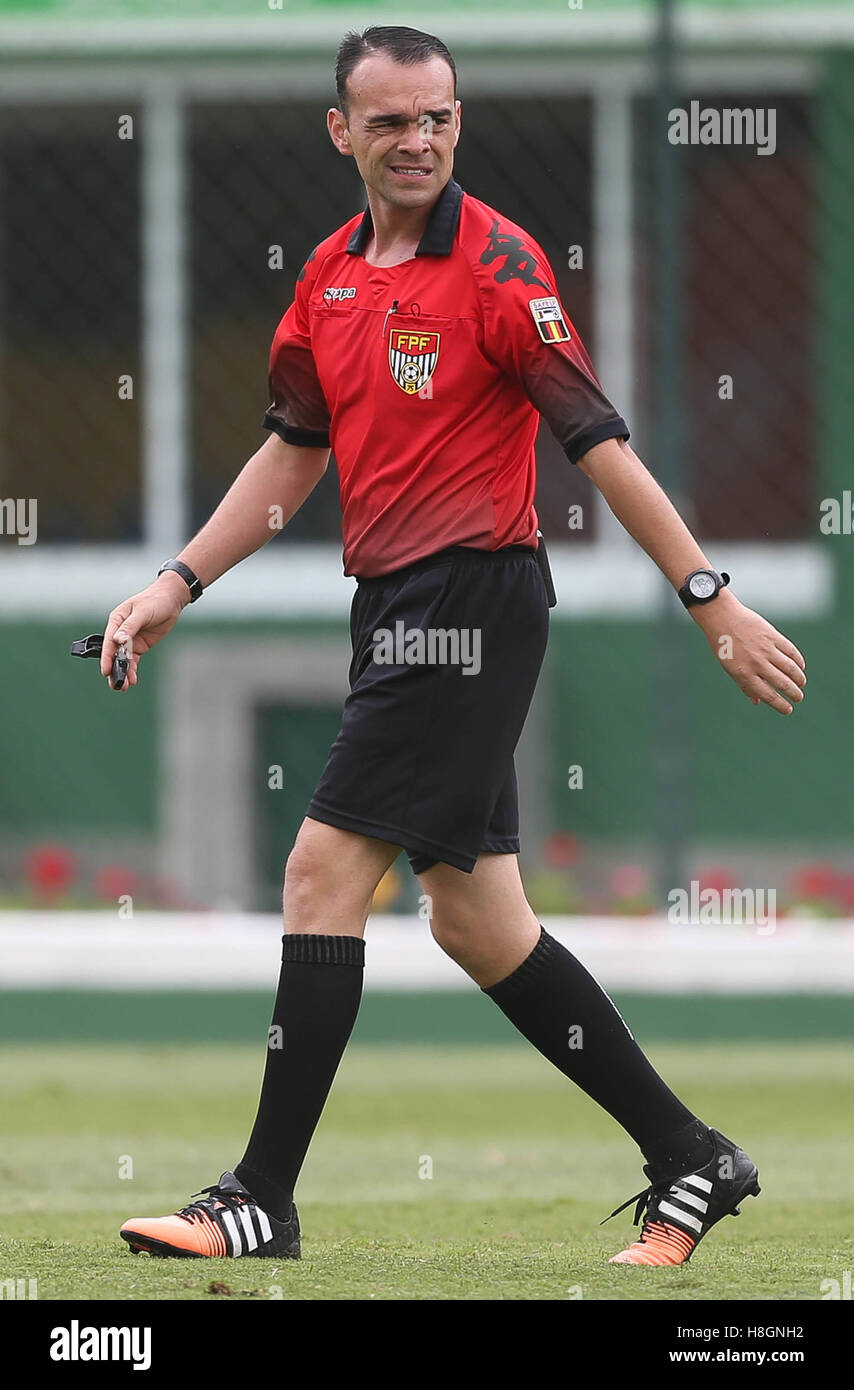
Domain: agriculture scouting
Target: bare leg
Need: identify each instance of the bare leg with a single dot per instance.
(330, 879)
(482, 920)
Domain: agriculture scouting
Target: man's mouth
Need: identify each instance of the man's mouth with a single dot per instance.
(410, 171)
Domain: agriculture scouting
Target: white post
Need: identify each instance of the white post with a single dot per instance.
(164, 385)
(613, 270)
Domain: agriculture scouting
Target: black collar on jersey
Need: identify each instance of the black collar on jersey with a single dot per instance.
(438, 238)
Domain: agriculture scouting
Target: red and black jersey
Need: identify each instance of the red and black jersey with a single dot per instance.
(428, 378)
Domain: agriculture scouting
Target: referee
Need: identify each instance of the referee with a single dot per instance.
(425, 340)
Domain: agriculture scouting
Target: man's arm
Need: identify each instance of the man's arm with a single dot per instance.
(279, 476)
(763, 663)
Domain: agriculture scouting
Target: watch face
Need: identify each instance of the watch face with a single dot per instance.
(702, 585)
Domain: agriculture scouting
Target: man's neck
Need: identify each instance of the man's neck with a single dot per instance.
(397, 231)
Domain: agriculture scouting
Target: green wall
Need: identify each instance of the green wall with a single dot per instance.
(77, 758)
(50, 1016)
(753, 773)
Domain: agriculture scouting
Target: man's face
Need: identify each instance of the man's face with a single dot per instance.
(401, 127)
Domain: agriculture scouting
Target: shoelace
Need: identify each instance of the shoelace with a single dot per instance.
(643, 1200)
(231, 1200)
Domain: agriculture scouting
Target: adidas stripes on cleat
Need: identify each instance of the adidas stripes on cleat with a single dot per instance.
(226, 1222)
(679, 1210)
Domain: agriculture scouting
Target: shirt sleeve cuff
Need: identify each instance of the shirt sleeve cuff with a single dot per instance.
(609, 429)
(292, 434)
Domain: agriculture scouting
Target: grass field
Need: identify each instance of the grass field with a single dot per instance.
(524, 1168)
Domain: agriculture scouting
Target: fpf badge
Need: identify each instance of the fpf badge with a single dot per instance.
(412, 357)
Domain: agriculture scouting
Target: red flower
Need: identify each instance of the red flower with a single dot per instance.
(561, 849)
(50, 871)
(114, 881)
(814, 881)
(717, 879)
(629, 881)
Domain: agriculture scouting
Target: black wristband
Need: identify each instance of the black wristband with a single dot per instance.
(194, 584)
(690, 597)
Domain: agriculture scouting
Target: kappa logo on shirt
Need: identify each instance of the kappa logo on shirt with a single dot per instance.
(519, 263)
(337, 292)
(412, 357)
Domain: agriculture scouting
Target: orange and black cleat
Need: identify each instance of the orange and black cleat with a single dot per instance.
(227, 1222)
(679, 1210)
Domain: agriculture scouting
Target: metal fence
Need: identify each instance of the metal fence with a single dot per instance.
(256, 184)
(152, 223)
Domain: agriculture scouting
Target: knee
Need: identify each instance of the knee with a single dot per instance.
(329, 879)
(451, 925)
(304, 874)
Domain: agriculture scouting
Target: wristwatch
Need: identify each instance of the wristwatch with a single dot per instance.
(192, 581)
(702, 586)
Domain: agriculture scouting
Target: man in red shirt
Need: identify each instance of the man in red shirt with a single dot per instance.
(425, 340)
(428, 377)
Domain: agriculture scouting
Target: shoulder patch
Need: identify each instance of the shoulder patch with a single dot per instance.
(548, 316)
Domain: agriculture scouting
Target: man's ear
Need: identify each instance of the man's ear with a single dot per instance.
(458, 114)
(336, 124)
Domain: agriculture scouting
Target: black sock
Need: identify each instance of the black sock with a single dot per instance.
(558, 1006)
(683, 1151)
(320, 988)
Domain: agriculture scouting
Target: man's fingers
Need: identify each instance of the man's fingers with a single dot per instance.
(114, 622)
(131, 677)
(775, 686)
(791, 668)
(122, 626)
(769, 696)
(791, 650)
(786, 687)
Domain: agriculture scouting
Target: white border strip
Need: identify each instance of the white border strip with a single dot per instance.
(242, 951)
(808, 27)
(305, 581)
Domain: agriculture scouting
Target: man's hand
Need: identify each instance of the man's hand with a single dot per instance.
(762, 662)
(142, 620)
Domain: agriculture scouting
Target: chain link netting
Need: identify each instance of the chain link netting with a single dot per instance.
(263, 186)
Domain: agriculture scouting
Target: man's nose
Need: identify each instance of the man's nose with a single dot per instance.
(415, 139)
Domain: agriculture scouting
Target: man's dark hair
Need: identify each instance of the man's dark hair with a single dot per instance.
(408, 46)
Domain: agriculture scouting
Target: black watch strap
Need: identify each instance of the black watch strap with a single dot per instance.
(194, 584)
(689, 598)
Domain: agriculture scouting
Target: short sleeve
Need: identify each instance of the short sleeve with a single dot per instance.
(529, 336)
(297, 412)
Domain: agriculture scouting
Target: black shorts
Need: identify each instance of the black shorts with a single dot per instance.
(446, 655)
